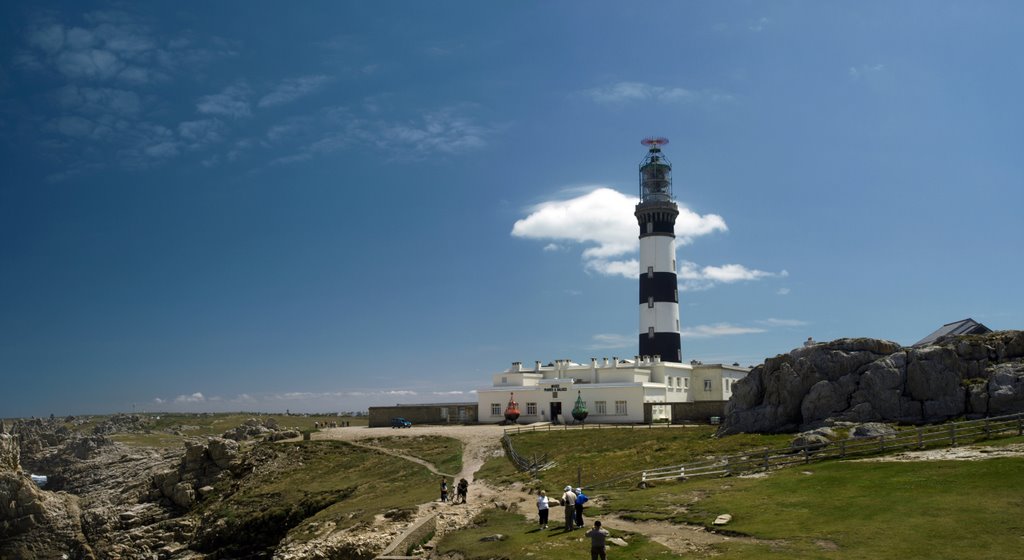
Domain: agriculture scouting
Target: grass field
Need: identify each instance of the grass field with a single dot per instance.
(316, 483)
(830, 510)
(443, 453)
(593, 455)
(524, 540)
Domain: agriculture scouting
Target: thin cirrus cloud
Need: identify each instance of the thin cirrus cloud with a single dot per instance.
(717, 330)
(232, 101)
(602, 220)
(625, 92)
(292, 89)
(695, 278)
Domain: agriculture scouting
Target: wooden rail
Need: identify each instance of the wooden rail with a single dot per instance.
(532, 464)
(951, 434)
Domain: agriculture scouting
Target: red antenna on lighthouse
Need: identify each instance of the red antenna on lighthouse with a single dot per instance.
(654, 141)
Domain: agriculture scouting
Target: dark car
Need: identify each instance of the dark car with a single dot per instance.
(400, 423)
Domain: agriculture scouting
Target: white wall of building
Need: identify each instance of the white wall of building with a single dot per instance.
(614, 391)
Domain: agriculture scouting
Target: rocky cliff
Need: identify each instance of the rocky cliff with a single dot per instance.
(869, 380)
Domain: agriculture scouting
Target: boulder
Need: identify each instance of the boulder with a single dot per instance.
(10, 454)
(866, 380)
(871, 430)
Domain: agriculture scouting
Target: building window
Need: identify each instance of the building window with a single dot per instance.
(650, 332)
(495, 409)
(677, 295)
(650, 227)
(504, 380)
(673, 265)
(620, 408)
(650, 272)
(707, 385)
(650, 301)
(677, 324)
(600, 407)
(531, 409)
(670, 381)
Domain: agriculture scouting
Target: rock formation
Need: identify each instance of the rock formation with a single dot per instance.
(35, 523)
(867, 380)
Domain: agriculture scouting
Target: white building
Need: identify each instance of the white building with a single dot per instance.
(613, 391)
(618, 390)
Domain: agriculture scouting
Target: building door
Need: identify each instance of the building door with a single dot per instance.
(556, 411)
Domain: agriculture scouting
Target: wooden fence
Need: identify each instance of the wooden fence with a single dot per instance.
(532, 464)
(951, 434)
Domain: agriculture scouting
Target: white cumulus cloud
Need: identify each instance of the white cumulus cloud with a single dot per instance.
(602, 220)
(193, 398)
(694, 277)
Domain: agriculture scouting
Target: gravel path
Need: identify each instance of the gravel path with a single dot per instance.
(480, 443)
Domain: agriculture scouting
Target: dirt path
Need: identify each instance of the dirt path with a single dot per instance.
(483, 442)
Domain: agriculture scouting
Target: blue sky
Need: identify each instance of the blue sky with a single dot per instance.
(334, 205)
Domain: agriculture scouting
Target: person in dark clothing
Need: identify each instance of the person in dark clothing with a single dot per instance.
(462, 490)
(597, 542)
(581, 499)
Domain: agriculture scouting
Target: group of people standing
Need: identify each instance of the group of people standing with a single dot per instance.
(461, 491)
(573, 502)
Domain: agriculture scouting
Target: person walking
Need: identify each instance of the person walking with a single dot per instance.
(597, 542)
(542, 509)
(568, 501)
(444, 490)
(581, 499)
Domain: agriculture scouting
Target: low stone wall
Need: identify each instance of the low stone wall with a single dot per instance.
(411, 537)
(699, 412)
(380, 416)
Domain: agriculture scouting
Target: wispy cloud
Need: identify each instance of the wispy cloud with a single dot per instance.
(865, 71)
(611, 341)
(602, 220)
(292, 89)
(193, 398)
(771, 322)
(695, 278)
(717, 330)
(232, 101)
(624, 92)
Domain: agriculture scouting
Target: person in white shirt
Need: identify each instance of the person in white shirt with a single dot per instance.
(569, 502)
(542, 509)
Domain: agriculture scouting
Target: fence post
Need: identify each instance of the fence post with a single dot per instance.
(1020, 426)
(807, 456)
(988, 432)
(643, 478)
(767, 464)
(728, 466)
(952, 435)
(881, 444)
(682, 472)
(842, 449)
(920, 438)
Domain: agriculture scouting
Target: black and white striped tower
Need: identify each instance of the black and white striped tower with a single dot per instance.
(659, 292)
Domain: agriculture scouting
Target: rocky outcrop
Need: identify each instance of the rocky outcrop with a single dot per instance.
(203, 464)
(267, 429)
(861, 380)
(35, 523)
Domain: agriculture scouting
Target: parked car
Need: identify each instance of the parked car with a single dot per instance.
(400, 423)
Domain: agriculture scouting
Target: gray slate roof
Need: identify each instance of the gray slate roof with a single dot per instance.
(963, 326)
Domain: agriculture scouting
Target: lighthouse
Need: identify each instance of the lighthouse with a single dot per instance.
(659, 290)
